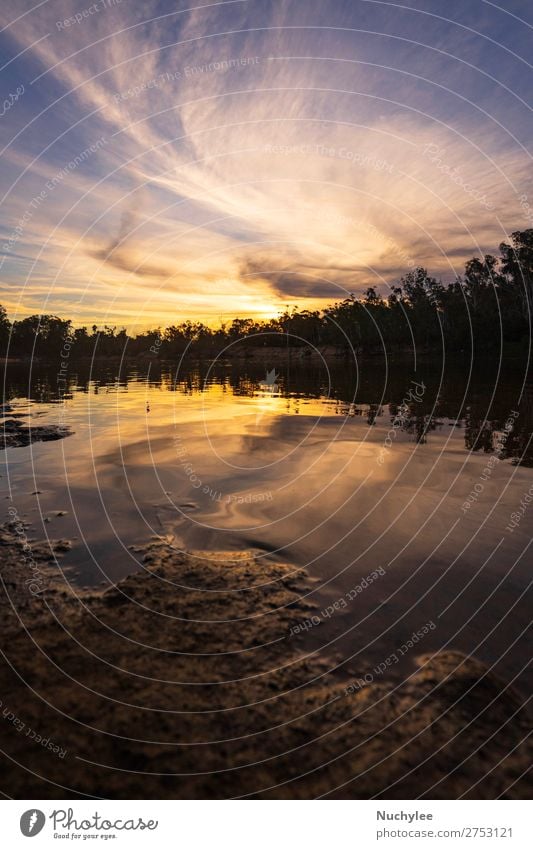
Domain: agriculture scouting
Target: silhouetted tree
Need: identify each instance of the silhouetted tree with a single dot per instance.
(486, 308)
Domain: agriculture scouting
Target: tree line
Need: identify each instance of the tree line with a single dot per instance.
(486, 309)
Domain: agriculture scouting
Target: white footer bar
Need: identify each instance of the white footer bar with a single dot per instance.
(267, 824)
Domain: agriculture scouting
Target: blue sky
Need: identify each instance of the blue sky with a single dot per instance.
(167, 160)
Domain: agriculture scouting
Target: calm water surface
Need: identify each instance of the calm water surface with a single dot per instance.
(338, 469)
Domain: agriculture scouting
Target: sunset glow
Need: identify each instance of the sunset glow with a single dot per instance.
(227, 159)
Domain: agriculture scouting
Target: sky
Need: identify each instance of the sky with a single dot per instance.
(166, 161)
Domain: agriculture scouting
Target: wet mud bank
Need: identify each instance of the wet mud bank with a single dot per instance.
(187, 680)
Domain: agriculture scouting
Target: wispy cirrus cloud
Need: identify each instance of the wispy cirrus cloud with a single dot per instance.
(254, 153)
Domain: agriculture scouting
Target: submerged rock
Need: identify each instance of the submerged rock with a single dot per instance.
(13, 434)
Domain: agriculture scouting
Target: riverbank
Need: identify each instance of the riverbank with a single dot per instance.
(185, 681)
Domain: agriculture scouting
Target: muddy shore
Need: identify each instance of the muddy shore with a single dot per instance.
(183, 681)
